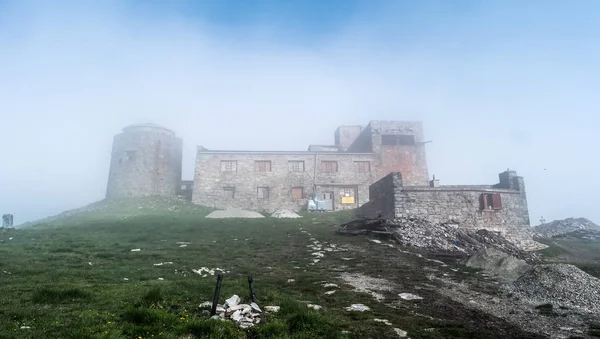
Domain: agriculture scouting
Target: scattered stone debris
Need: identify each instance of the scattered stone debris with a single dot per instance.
(385, 321)
(366, 284)
(244, 315)
(234, 213)
(285, 214)
(164, 263)
(209, 271)
(314, 307)
(273, 309)
(503, 266)
(565, 226)
(443, 237)
(561, 285)
(409, 296)
(358, 308)
(400, 333)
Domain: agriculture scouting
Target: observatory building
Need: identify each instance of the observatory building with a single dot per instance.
(145, 161)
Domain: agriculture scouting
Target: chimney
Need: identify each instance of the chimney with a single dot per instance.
(435, 182)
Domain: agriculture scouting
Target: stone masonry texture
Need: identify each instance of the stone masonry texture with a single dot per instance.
(361, 159)
(459, 205)
(145, 161)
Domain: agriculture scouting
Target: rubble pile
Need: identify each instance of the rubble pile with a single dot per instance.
(560, 284)
(285, 214)
(244, 315)
(505, 267)
(234, 213)
(558, 227)
(443, 237)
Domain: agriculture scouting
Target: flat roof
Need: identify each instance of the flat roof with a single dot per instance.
(202, 150)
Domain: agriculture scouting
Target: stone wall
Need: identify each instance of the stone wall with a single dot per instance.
(410, 160)
(210, 182)
(145, 161)
(461, 205)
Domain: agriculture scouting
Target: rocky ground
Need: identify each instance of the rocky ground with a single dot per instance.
(558, 227)
(553, 300)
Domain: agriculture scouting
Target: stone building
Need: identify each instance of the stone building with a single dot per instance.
(339, 174)
(500, 208)
(145, 161)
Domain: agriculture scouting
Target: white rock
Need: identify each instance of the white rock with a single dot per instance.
(246, 324)
(330, 285)
(237, 316)
(273, 309)
(357, 307)
(233, 301)
(161, 278)
(125, 279)
(330, 292)
(90, 263)
(385, 321)
(314, 307)
(206, 304)
(135, 250)
(25, 327)
(376, 241)
(400, 333)
(183, 245)
(291, 280)
(409, 296)
(255, 307)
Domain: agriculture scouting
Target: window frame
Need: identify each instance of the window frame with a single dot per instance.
(231, 162)
(262, 164)
(295, 188)
(291, 167)
(359, 166)
(490, 202)
(325, 166)
(229, 189)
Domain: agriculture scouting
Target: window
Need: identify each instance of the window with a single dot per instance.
(229, 192)
(348, 192)
(329, 166)
(393, 139)
(297, 192)
(262, 193)
(296, 166)
(228, 166)
(491, 201)
(262, 166)
(183, 187)
(362, 166)
(130, 155)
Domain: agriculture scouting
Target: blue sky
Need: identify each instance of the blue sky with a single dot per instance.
(498, 84)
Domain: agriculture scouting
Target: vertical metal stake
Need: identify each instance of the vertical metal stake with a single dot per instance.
(250, 284)
(213, 310)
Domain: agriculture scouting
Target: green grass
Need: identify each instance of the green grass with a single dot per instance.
(76, 277)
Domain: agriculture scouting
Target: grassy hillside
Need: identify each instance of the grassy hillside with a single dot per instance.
(75, 276)
(574, 248)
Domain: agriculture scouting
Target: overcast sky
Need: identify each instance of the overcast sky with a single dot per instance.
(497, 84)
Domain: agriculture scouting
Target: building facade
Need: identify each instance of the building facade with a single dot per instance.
(339, 174)
(500, 208)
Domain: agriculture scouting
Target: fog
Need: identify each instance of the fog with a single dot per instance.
(497, 85)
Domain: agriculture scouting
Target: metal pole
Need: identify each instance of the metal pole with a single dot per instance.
(250, 284)
(213, 310)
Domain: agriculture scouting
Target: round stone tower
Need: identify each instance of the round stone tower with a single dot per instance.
(145, 161)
